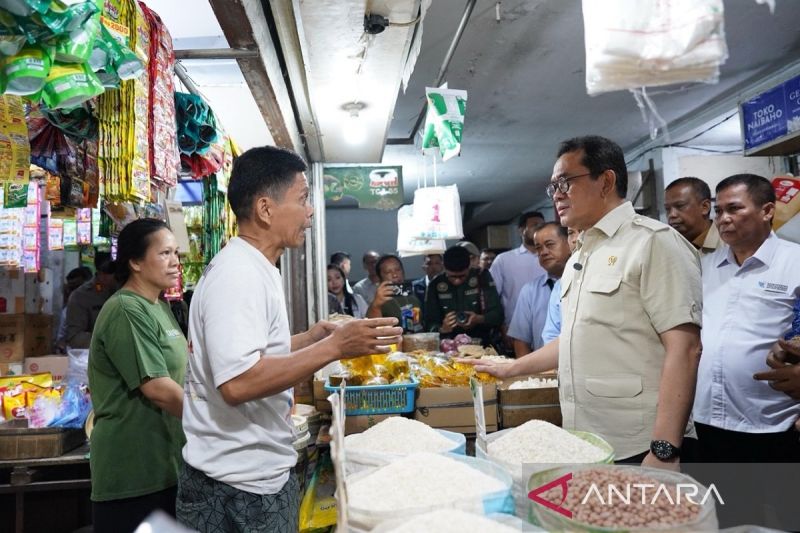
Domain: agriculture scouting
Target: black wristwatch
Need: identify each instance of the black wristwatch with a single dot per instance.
(663, 450)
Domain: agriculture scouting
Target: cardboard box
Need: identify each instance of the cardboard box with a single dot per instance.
(12, 292)
(57, 365)
(451, 408)
(321, 397)
(304, 392)
(10, 369)
(521, 405)
(361, 423)
(28, 443)
(25, 335)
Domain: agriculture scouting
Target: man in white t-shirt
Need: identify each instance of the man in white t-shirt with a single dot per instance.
(244, 361)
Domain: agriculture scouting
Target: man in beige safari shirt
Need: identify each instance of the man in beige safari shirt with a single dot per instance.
(631, 308)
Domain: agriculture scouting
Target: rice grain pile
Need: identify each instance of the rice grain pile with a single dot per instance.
(534, 383)
(398, 435)
(420, 480)
(452, 521)
(537, 441)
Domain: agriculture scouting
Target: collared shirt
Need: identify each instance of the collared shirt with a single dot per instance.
(631, 279)
(708, 241)
(511, 271)
(367, 289)
(531, 312)
(746, 309)
(552, 324)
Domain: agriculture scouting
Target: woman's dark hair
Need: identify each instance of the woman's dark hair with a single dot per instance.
(132, 244)
(349, 299)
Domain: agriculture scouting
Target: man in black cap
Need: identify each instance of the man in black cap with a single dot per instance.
(463, 299)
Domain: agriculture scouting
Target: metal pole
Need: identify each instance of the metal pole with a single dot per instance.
(215, 53)
(183, 75)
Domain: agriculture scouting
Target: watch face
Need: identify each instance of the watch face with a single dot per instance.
(663, 449)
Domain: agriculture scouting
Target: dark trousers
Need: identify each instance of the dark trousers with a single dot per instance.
(125, 515)
(211, 506)
(717, 445)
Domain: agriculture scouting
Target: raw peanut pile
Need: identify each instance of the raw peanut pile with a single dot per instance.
(597, 511)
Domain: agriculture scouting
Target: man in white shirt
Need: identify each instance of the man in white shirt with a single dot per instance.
(243, 360)
(750, 286)
(513, 269)
(366, 287)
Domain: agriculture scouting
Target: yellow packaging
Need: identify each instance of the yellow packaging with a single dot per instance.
(14, 405)
(45, 379)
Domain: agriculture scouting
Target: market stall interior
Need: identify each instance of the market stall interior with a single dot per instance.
(427, 126)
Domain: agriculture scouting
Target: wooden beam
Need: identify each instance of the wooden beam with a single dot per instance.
(245, 26)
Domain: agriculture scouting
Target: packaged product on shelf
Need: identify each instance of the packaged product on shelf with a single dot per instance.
(15, 149)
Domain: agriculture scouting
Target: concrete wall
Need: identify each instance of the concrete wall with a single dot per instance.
(357, 230)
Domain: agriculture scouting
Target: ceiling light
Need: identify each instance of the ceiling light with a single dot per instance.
(353, 129)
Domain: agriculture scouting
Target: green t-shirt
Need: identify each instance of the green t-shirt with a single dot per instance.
(135, 446)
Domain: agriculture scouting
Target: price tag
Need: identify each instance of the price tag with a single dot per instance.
(480, 415)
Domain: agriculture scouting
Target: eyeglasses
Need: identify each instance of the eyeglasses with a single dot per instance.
(562, 184)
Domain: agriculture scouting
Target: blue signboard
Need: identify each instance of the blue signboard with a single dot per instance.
(771, 115)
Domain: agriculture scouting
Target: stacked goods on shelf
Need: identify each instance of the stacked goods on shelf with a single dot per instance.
(164, 158)
(15, 149)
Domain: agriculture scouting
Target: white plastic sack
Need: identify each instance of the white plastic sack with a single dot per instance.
(78, 369)
(496, 502)
(643, 43)
(437, 213)
(407, 244)
(360, 460)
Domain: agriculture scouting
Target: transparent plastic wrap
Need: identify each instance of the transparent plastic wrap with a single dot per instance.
(655, 488)
(644, 43)
(500, 501)
(521, 472)
(361, 460)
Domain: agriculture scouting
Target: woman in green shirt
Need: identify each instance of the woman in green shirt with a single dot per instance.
(137, 363)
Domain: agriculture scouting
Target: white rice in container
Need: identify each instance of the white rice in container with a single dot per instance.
(534, 383)
(537, 441)
(420, 480)
(452, 521)
(398, 435)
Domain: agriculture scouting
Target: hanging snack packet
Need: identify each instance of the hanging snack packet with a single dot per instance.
(11, 39)
(78, 46)
(26, 72)
(69, 85)
(16, 195)
(25, 8)
(68, 17)
(444, 121)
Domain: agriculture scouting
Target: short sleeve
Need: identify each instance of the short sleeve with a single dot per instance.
(133, 347)
(234, 336)
(522, 320)
(552, 325)
(496, 270)
(671, 286)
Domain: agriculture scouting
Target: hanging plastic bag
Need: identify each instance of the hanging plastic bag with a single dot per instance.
(26, 72)
(444, 120)
(25, 8)
(437, 213)
(642, 43)
(70, 85)
(407, 244)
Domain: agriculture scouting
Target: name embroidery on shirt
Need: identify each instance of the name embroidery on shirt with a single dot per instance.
(773, 287)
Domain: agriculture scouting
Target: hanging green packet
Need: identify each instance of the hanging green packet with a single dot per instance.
(67, 17)
(77, 47)
(26, 72)
(25, 8)
(11, 38)
(69, 85)
(444, 120)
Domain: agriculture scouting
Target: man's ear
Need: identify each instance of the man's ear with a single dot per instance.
(706, 206)
(264, 209)
(609, 178)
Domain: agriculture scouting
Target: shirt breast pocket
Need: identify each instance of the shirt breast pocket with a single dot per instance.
(603, 301)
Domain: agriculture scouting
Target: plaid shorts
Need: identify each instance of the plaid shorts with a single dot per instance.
(210, 506)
